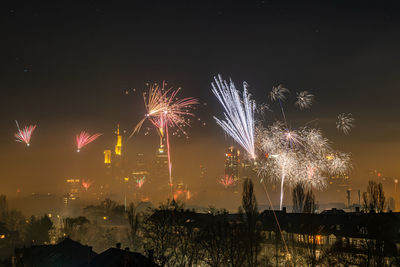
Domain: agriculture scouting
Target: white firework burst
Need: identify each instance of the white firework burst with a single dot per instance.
(310, 160)
(239, 113)
(278, 93)
(304, 100)
(345, 122)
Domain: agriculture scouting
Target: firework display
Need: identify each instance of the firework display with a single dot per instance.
(289, 156)
(24, 135)
(239, 113)
(86, 184)
(278, 93)
(304, 100)
(227, 181)
(345, 122)
(140, 182)
(84, 138)
(165, 111)
(306, 157)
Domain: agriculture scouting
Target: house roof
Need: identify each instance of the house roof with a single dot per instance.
(114, 257)
(66, 253)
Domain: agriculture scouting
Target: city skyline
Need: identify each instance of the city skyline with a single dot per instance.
(64, 88)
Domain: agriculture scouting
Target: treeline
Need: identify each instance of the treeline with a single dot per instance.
(16, 230)
(175, 236)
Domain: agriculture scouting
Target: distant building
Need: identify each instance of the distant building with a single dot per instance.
(74, 189)
(161, 171)
(72, 253)
(65, 253)
(107, 156)
(118, 145)
(232, 163)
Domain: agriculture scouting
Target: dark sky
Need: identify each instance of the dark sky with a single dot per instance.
(65, 67)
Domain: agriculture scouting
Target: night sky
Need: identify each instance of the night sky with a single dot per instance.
(65, 67)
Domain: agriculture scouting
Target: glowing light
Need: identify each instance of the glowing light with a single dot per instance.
(239, 113)
(84, 138)
(86, 184)
(24, 135)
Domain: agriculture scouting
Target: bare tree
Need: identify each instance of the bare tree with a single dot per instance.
(298, 197)
(309, 203)
(374, 199)
(253, 235)
(134, 224)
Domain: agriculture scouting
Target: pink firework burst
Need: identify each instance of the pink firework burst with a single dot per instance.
(86, 184)
(140, 182)
(24, 135)
(227, 181)
(164, 110)
(84, 138)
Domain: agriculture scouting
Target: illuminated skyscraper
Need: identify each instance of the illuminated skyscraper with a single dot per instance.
(107, 156)
(161, 165)
(232, 162)
(118, 146)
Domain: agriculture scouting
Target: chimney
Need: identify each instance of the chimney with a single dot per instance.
(357, 209)
(283, 209)
(118, 245)
(150, 254)
(127, 249)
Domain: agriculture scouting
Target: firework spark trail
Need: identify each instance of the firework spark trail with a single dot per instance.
(164, 110)
(345, 122)
(24, 135)
(86, 184)
(84, 138)
(309, 162)
(239, 113)
(278, 94)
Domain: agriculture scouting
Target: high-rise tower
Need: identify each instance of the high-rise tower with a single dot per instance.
(161, 166)
(232, 163)
(118, 146)
(107, 157)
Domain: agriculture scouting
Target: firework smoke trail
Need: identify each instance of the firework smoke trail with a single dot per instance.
(86, 184)
(164, 110)
(345, 122)
(24, 135)
(84, 138)
(239, 113)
